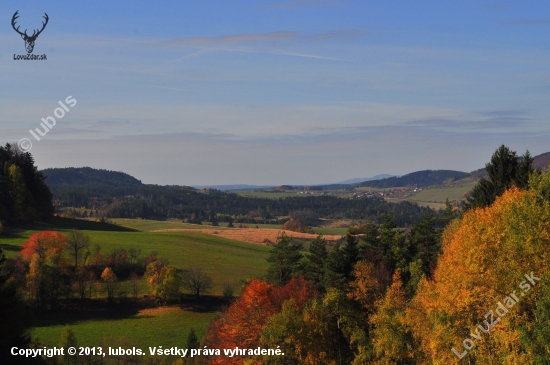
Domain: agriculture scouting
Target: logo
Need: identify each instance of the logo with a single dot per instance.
(29, 39)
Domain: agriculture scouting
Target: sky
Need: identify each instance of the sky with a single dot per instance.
(277, 91)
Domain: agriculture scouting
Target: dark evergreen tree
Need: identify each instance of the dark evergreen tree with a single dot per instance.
(192, 343)
(425, 242)
(351, 255)
(335, 269)
(284, 260)
(314, 269)
(448, 213)
(503, 171)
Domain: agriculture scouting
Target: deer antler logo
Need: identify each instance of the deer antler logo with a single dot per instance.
(29, 40)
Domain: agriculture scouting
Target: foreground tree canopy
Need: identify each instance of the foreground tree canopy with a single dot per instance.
(485, 300)
(24, 196)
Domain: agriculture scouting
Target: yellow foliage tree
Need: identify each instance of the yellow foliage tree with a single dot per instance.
(486, 257)
(110, 279)
(391, 337)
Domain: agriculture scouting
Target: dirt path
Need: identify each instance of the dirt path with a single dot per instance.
(252, 235)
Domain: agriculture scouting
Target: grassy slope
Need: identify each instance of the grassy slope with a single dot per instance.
(224, 259)
(441, 193)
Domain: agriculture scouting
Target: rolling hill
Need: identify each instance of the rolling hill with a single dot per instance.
(418, 178)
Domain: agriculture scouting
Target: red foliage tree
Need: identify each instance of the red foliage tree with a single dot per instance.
(44, 243)
(243, 322)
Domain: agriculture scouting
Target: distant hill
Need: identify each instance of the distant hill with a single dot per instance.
(114, 194)
(360, 180)
(86, 176)
(418, 178)
(541, 161)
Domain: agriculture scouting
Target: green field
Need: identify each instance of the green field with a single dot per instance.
(227, 261)
(165, 326)
(439, 194)
(330, 230)
(222, 258)
(152, 225)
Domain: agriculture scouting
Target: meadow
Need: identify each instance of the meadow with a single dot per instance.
(165, 326)
(226, 261)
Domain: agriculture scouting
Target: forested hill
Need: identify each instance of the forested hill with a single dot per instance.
(418, 178)
(86, 177)
(115, 194)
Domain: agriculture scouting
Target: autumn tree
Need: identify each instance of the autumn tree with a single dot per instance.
(242, 324)
(366, 288)
(449, 309)
(110, 279)
(391, 337)
(169, 289)
(77, 241)
(46, 280)
(49, 245)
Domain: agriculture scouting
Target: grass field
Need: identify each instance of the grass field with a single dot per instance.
(164, 326)
(439, 194)
(153, 225)
(330, 230)
(226, 260)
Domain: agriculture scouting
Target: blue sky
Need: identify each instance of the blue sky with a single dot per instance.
(278, 92)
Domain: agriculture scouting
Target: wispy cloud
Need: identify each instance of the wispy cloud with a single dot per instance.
(263, 38)
(499, 123)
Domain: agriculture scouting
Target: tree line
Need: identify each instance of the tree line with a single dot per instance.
(24, 196)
